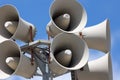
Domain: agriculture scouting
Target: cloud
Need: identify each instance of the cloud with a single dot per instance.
(35, 78)
(116, 70)
(16, 78)
(115, 37)
(115, 42)
(65, 77)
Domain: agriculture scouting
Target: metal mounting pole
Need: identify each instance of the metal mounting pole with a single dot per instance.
(74, 75)
(43, 66)
(38, 55)
(47, 74)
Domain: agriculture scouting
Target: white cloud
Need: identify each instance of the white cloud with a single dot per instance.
(64, 77)
(35, 78)
(115, 40)
(16, 78)
(116, 70)
(115, 37)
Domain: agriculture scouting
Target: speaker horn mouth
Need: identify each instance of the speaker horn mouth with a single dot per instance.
(78, 16)
(79, 53)
(13, 26)
(12, 50)
(8, 13)
(9, 49)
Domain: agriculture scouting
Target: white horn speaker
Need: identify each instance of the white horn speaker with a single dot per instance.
(13, 26)
(98, 36)
(68, 52)
(19, 65)
(66, 16)
(100, 69)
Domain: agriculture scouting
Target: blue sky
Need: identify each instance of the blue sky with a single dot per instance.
(37, 13)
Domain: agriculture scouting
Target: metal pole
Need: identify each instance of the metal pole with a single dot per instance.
(46, 73)
(43, 68)
(42, 61)
(74, 75)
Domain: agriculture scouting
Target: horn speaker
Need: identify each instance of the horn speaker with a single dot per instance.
(13, 26)
(66, 16)
(98, 36)
(18, 65)
(99, 69)
(68, 52)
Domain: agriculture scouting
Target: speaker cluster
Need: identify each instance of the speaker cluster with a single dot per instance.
(71, 42)
(69, 47)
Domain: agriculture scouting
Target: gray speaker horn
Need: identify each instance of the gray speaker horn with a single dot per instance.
(68, 52)
(98, 36)
(13, 26)
(8, 49)
(100, 69)
(66, 16)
